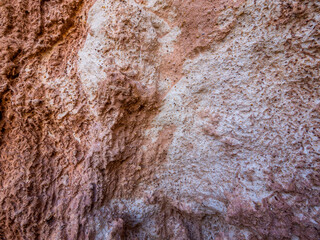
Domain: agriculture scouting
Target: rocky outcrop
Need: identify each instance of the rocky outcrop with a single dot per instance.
(171, 119)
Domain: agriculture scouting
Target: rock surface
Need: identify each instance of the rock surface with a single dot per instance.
(160, 119)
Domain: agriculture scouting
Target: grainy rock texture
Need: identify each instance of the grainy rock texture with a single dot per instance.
(160, 119)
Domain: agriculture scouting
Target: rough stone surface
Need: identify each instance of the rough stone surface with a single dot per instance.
(160, 119)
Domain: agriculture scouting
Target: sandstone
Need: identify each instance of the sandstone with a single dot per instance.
(160, 119)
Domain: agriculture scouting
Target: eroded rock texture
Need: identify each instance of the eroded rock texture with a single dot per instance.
(160, 119)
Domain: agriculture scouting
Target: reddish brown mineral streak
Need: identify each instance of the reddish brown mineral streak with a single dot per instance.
(197, 20)
(51, 184)
(32, 203)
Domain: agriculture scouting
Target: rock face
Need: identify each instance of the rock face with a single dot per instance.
(160, 119)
